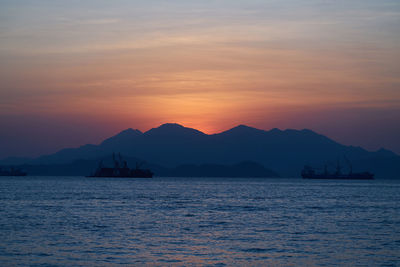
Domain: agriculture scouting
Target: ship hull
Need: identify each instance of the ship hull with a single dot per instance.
(10, 173)
(122, 173)
(120, 170)
(311, 173)
(13, 175)
(344, 177)
(140, 177)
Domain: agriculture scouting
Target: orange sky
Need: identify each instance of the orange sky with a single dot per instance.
(209, 65)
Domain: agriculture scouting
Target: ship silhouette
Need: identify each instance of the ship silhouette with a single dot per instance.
(11, 172)
(309, 172)
(121, 170)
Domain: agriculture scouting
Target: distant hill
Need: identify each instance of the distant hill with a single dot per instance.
(283, 151)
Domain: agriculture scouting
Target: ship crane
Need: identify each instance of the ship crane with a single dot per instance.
(310, 173)
(121, 170)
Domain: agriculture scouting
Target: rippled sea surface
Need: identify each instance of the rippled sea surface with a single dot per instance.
(77, 221)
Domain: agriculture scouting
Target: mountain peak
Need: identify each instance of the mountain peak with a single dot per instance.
(242, 130)
(243, 127)
(173, 129)
(170, 126)
(123, 136)
(130, 131)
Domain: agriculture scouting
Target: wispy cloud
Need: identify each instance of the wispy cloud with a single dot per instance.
(85, 21)
(190, 59)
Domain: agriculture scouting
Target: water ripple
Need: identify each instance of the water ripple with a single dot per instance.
(66, 221)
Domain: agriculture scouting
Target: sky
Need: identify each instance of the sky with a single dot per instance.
(76, 72)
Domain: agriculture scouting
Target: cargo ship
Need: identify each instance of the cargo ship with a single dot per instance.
(11, 172)
(121, 170)
(312, 173)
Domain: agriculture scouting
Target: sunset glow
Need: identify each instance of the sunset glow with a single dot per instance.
(210, 65)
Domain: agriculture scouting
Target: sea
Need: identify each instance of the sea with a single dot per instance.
(78, 221)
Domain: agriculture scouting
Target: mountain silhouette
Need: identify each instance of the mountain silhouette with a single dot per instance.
(283, 151)
(122, 138)
(174, 130)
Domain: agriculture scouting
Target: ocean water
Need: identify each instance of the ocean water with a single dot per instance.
(77, 221)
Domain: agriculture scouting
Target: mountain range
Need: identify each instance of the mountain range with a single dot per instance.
(175, 147)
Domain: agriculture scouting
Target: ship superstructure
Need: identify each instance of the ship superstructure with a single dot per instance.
(309, 172)
(121, 169)
(11, 171)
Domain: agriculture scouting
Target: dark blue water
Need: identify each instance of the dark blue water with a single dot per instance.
(67, 221)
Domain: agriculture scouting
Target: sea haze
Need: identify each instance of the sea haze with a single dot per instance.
(77, 221)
